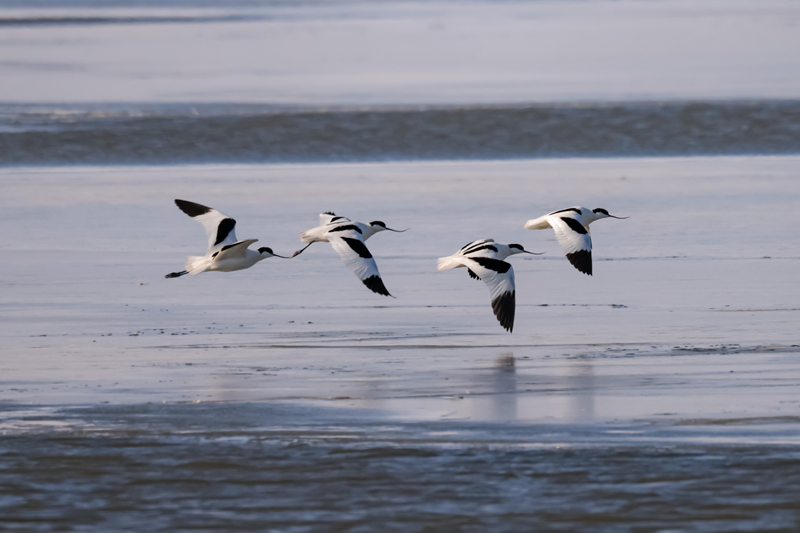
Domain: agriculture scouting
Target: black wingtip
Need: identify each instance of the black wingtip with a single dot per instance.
(192, 209)
(473, 275)
(375, 284)
(582, 260)
(176, 274)
(504, 307)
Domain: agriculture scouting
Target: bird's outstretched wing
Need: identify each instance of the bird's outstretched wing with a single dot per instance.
(235, 250)
(575, 240)
(351, 248)
(219, 226)
(499, 277)
(328, 217)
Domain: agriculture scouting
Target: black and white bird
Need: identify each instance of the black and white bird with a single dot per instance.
(484, 261)
(572, 232)
(225, 253)
(347, 238)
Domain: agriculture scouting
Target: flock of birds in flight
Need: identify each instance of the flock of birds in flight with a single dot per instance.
(483, 259)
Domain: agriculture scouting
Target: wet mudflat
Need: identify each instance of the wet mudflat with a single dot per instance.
(660, 394)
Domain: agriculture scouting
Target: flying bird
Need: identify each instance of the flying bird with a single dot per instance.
(225, 253)
(572, 232)
(347, 238)
(484, 260)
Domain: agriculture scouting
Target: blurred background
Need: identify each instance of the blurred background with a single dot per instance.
(142, 82)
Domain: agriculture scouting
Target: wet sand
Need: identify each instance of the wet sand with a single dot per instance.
(669, 373)
(695, 284)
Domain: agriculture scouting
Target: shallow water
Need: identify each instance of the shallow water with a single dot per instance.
(397, 52)
(168, 134)
(249, 466)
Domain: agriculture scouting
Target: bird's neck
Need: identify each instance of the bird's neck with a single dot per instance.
(366, 231)
(503, 250)
(588, 217)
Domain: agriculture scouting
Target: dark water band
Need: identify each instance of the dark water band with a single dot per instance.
(181, 133)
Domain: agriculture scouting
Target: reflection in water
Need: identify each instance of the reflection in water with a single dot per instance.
(498, 401)
(504, 388)
(581, 382)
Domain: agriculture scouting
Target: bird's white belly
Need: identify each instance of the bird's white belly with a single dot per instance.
(230, 265)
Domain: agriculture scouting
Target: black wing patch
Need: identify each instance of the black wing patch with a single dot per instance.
(177, 274)
(498, 266)
(334, 219)
(504, 307)
(582, 260)
(472, 274)
(346, 227)
(565, 210)
(479, 248)
(192, 209)
(228, 246)
(226, 225)
(359, 248)
(375, 284)
(576, 226)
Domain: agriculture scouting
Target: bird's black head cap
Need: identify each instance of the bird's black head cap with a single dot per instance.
(265, 249)
(377, 223)
(600, 210)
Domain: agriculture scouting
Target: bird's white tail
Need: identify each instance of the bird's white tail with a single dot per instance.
(446, 263)
(538, 223)
(195, 264)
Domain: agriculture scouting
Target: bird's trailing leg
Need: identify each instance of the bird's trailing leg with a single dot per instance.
(298, 252)
(177, 274)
